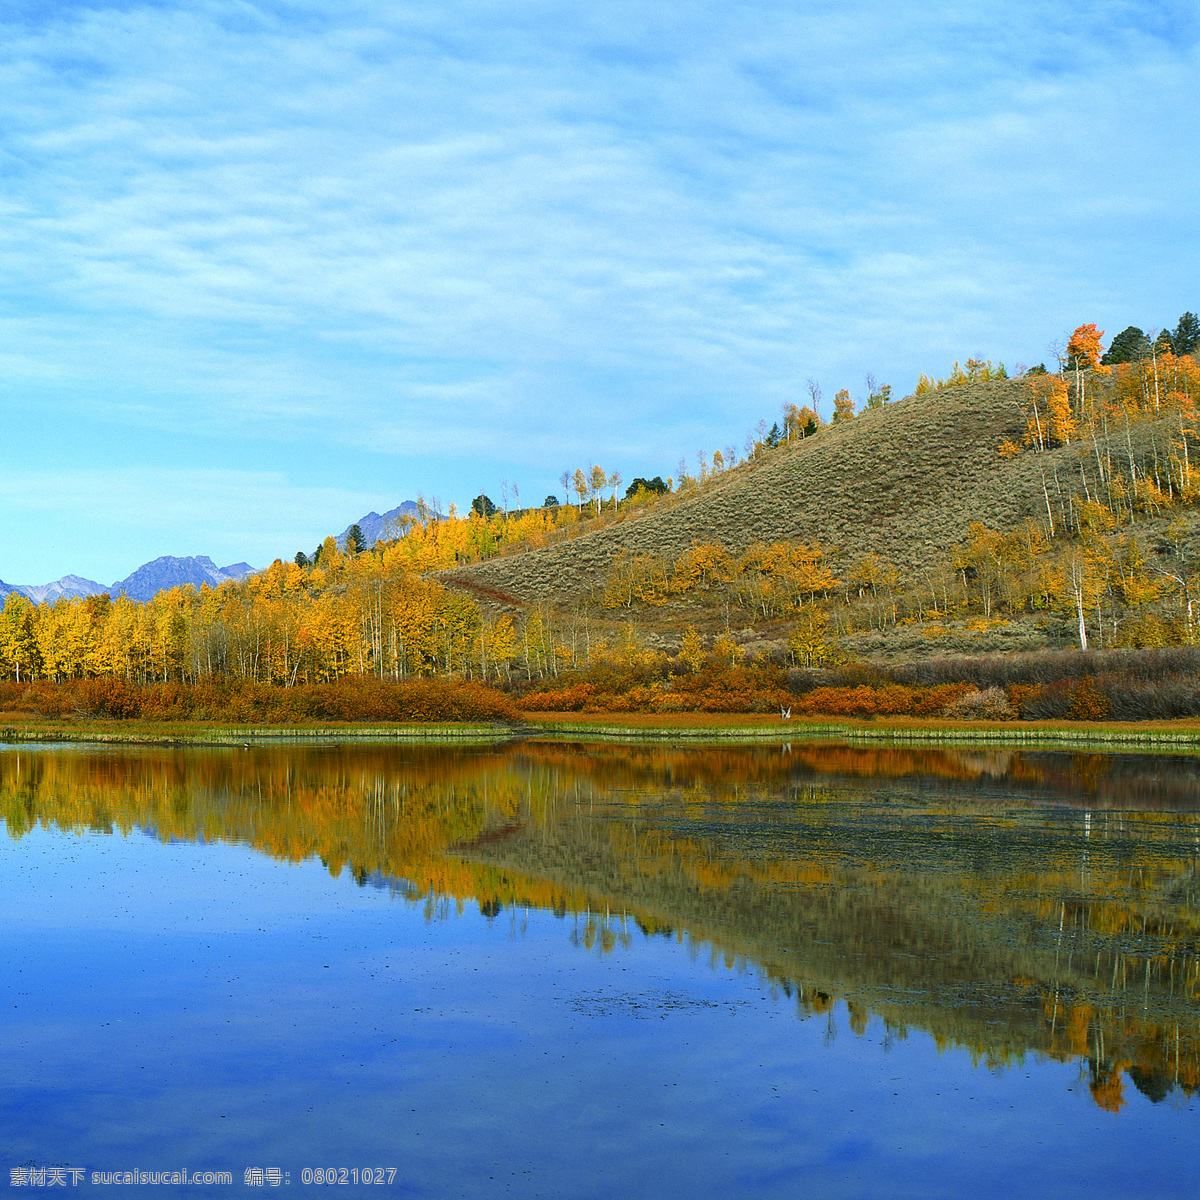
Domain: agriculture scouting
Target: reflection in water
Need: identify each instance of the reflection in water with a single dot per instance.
(1007, 902)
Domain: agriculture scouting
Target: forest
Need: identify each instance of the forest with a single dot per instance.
(1108, 558)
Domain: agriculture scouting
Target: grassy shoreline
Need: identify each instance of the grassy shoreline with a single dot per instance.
(694, 728)
(196, 733)
(896, 731)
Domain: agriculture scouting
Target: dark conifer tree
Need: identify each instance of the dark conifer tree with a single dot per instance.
(655, 485)
(1186, 338)
(1130, 345)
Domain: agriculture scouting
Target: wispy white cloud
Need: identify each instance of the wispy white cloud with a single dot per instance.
(489, 232)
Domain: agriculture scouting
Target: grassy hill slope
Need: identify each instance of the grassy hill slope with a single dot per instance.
(905, 481)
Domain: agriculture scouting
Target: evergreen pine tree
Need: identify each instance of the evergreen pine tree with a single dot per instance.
(1186, 338)
(655, 485)
(1130, 345)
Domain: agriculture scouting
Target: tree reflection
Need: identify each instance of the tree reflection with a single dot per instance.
(1009, 903)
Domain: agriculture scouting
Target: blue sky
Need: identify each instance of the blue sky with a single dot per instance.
(266, 266)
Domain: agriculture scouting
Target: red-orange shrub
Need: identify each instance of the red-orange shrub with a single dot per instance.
(354, 698)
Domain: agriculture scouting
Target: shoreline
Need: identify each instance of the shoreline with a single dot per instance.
(690, 728)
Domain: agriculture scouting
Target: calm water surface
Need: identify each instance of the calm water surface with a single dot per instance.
(572, 971)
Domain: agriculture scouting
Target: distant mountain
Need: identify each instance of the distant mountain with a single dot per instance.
(145, 582)
(168, 572)
(375, 526)
(68, 585)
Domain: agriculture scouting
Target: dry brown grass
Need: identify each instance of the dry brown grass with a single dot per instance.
(905, 481)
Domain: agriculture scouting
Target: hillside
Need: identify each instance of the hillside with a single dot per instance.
(1045, 513)
(905, 481)
(999, 515)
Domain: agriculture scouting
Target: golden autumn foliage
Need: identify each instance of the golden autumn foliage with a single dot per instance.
(810, 642)
(348, 615)
(977, 370)
(771, 579)
(1103, 542)
(1084, 348)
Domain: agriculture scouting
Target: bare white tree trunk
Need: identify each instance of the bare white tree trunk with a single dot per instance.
(1077, 587)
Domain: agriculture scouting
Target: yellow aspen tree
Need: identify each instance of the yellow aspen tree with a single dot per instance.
(808, 641)
(579, 484)
(806, 572)
(504, 645)
(18, 640)
(1061, 420)
(597, 480)
(614, 481)
(727, 652)
(50, 625)
(1078, 582)
(1083, 354)
(691, 650)
(1033, 558)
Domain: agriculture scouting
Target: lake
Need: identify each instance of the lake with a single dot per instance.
(560, 970)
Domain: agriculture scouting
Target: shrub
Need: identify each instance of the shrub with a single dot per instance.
(353, 698)
(714, 687)
(1088, 704)
(1066, 700)
(1046, 667)
(989, 705)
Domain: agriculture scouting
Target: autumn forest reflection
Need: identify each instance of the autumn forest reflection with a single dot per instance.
(1008, 902)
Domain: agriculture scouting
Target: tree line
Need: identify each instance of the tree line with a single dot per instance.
(1116, 441)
